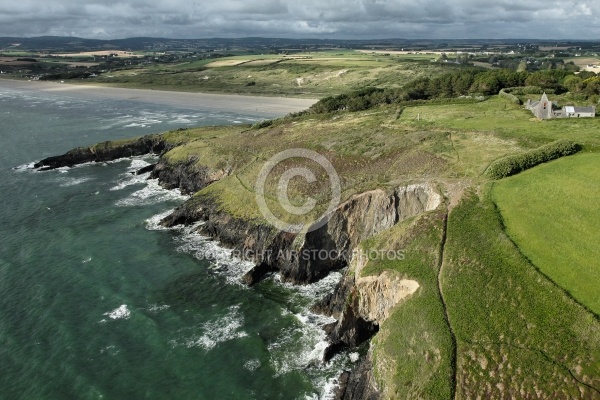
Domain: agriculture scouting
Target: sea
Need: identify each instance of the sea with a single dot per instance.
(97, 301)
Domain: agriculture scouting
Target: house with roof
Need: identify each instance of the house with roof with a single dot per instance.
(579, 112)
(546, 109)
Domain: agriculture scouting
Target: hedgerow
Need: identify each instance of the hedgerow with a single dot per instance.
(512, 165)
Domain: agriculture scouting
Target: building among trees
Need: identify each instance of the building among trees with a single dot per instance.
(546, 109)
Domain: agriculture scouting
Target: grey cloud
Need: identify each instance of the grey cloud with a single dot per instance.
(308, 18)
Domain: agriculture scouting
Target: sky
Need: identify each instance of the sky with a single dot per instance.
(335, 19)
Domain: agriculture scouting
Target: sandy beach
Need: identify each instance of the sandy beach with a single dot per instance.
(264, 106)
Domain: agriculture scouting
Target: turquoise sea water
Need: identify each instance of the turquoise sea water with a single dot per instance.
(97, 303)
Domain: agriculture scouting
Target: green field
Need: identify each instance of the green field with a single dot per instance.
(506, 121)
(309, 74)
(552, 214)
(518, 335)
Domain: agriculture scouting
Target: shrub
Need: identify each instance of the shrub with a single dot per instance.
(504, 93)
(262, 124)
(512, 165)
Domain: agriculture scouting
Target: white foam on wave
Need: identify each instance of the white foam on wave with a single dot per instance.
(25, 167)
(130, 180)
(153, 223)
(153, 193)
(67, 182)
(297, 348)
(302, 348)
(143, 120)
(158, 307)
(181, 119)
(121, 312)
(252, 365)
(327, 390)
(316, 290)
(221, 259)
(218, 331)
(110, 350)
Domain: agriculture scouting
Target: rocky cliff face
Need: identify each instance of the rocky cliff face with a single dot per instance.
(106, 151)
(320, 251)
(361, 217)
(358, 384)
(361, 304)
(377, 295)
(188, 176)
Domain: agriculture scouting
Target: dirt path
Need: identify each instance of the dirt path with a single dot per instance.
(453, 359)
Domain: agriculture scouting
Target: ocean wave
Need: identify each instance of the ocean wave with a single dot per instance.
(218, 331)
(121, 312)
(302, 348)
(158, 307)
(181, 120)
(252, 365)
(327, 390)
(153, 193)
(130, 178)
(111, 350)
(67, 182)
(221, 259)
(298, 348)
(25, 167)
(153, 223)
(316, 290)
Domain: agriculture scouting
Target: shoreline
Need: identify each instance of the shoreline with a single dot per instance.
(253, 105)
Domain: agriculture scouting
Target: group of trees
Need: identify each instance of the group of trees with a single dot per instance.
(464, 82)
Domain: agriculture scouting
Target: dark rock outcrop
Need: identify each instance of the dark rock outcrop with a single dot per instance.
(146, 169)
(358, 384)
(257, 273)
(334, 303)
(188, 176)
(106, 151)
(269, 248)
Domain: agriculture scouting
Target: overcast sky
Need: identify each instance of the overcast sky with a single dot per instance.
(353, 19)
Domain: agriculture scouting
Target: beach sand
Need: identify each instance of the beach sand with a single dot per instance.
(264, 106)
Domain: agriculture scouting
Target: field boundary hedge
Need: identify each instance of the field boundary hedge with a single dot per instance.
(512, 165)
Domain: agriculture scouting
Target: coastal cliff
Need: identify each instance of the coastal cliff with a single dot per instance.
(359, 304)
(309, 258)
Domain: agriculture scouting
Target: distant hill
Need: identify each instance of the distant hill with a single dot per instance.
(145, 43)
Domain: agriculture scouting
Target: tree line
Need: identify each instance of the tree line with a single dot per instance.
(465, 82)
